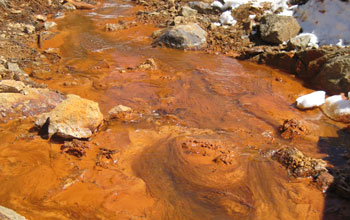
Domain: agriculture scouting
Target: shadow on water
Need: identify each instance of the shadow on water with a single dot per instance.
(337, 204)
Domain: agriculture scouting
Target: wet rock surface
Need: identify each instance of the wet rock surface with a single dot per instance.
(106, 157)
(293, 128)
(75, 117)
(215, 150)
(75, 148)
(17, 101)
(298, 164)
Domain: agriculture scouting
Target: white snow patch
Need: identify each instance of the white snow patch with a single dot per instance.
(217, 4)
(313, 39)
(226, 18)
(311, 100)
(328, 19)
(340, 43)
(337, 108)
(252, 17)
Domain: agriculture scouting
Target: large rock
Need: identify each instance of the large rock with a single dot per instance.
(277, 29)
(11, 86)
(335, 75)
(298, 164)
(17, 101)
(75, 117)
(189, 36)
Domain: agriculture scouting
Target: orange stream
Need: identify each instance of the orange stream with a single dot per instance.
(210, 97)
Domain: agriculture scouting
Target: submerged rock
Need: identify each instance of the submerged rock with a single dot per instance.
(189, 36)
(75, 117)
(277, 29)
(75, 148)
(298, 164)
(123, 113)
(292, 128)
(337, 108)
(312, 100)
(149, 64)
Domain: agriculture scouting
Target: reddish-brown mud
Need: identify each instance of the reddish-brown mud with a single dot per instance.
(193, 153)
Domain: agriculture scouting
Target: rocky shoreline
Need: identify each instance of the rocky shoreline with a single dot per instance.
(269, 39)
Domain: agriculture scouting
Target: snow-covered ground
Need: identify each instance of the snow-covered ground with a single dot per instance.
(327, 19)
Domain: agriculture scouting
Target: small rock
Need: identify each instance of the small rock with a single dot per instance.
(75, 148)
(179, 20)
(75, 117)
(11, 86)
(337, 108)
(149, 64)
(190, 36)
(312, 100)
(29, 29)
(41, 18)
(106, 157)
(292, 128)
(112, 27)
(188, 12)
(201, 7)
(123, 113)
(299, 42)
(49, 25)
(52, 50)
(13, 67)
(69, 6)
(118, 109)
(277, 29)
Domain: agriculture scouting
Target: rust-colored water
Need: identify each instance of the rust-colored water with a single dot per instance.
(235, 105)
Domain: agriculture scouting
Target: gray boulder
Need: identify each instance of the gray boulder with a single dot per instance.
(334, 76)
(201, 7)
(299, 42)
(277, 29)
(189, 36)
(188, 12)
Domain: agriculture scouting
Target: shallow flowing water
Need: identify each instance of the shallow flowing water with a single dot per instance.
(193, 108)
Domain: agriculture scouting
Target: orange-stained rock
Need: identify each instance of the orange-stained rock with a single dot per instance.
(75, 117)
(19, 101)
